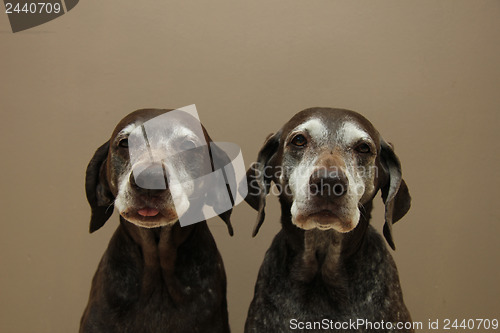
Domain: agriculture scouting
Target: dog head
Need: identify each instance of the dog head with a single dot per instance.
(326, 164)
(143, 183)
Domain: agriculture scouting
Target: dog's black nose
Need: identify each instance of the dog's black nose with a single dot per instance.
(151, 180)
(328, 185)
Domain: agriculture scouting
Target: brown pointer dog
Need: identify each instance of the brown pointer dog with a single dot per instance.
(328, 270)
(155, 275)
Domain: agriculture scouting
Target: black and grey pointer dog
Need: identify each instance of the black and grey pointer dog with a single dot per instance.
(328, 270)
(155, 276)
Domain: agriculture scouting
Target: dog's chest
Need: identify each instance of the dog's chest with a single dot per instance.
(155, 310)
(364, 285)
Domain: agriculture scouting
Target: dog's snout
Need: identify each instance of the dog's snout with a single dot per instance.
(152, 179)
(328, 185)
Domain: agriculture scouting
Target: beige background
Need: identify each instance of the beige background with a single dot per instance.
(426, 73)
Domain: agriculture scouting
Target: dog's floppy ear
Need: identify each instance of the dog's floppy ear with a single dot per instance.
(394, 191)
(259, 177)
(221, 161)
(96, 187)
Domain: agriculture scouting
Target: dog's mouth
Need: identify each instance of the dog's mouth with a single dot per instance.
(148, 212)
(327, 213)
(150, 217)
(144, 214)
(324, 218)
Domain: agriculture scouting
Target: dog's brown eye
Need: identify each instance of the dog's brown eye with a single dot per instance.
(299, 140)
(123, 143)
(363, 148)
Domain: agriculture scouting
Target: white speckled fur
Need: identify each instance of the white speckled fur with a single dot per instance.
(300, 174)
(180, 184)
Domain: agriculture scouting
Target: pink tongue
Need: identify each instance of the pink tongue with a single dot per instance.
(148, 212)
